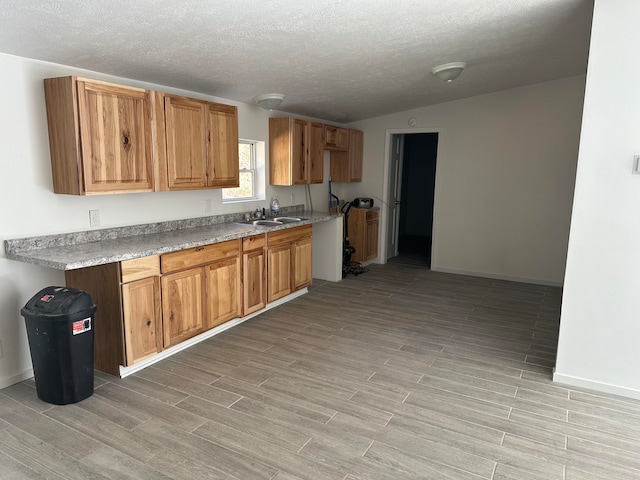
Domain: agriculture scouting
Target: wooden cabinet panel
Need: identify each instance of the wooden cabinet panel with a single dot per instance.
(278, 271)
(336, 138)
(186, 140)
(302, 263)
(316, 153)
(182, 305)
(254, 281)
(347, 166)
(222, 152)
(138, 268)
(295, 152)
(363, 233)
(254, 274)
(142, 319)
(223, 291)
(171, 262)
(99, 137)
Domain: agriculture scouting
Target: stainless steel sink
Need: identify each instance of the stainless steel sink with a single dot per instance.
(267, 223)
(289, 219)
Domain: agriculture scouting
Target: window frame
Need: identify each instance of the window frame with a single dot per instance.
(257, 193)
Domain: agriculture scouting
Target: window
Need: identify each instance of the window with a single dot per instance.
(251, 159)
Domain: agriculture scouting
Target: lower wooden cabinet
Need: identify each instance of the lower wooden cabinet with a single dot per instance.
(254, 274)
(142, 319)
(204, 291)
(182, 305)
(289, 261)
(152, 303)
(363, 233)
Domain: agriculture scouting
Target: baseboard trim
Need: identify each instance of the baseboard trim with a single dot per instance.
(126, 371)
(596, 386)
(535, 281)
(7, 382)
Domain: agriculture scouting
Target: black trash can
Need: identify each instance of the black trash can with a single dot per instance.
(60, 332)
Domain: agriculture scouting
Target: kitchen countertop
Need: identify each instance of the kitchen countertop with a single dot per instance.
(98, 247)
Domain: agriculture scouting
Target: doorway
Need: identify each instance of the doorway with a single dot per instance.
(411, 177)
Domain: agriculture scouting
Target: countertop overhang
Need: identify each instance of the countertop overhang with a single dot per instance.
(71, 251)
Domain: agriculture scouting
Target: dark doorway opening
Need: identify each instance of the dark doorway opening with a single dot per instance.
(418, 185)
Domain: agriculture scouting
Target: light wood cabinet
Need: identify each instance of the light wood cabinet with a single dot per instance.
(347, 166)
(201, 141)
(289, 261)
(200, 289)
(142, 319)
(295, 151)
(363, 233)
(128, 321)
(182, 305)
(99, 137)
(336, 138)
(254, 274)
(152, 303)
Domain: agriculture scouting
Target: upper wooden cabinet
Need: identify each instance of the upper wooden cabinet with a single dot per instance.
(336, 138)
(99, 137)
(107, 138)
(200, 143)
(347, 166)
(296, 151)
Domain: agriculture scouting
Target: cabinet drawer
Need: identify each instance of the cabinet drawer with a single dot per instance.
(139, 268)
(372, 214)
(289, 235)
(253, 243)
(174, 261)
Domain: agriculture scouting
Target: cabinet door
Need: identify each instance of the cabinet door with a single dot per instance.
(223, 291)
(182, 305)
(254, 281)
(355, 155)
(278, 272)
(115, 134)
(186, 143)
(302, 263)
(142, 319)
(371, 235)
(316, 153)
(300, 152)
(222, 148)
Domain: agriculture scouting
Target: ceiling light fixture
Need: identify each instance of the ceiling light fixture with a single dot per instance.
(449, 71)
(269, 101)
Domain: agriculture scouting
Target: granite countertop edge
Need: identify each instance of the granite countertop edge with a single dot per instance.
(62, 253)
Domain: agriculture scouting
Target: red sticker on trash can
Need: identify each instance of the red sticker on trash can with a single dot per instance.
(46, 298)
(81, 326)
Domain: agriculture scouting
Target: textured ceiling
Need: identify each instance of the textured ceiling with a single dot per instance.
(335, 60)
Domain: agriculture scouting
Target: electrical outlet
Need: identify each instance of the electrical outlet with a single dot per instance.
(293, 198)
(207, 205)
(94, 218)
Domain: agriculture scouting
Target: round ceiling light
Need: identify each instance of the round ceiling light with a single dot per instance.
(449, 71)
(269, 101)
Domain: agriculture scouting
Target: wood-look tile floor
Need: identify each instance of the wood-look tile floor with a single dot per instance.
(400, 373)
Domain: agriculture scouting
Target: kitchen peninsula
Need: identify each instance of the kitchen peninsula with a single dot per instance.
(165, 286)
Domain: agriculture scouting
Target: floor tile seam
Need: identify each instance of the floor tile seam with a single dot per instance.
(589, 405)
(465, 385)
(569, 456)
(605, 407)
(438, 462)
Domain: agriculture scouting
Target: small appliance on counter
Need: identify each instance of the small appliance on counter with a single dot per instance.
(363, 202)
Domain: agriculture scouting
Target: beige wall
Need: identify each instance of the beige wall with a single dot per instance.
(505, 178)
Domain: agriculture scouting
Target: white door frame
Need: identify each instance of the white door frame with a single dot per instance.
(386, 194)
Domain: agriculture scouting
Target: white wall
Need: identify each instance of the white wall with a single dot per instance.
(504, 182)
(29, 206)
(599, 344)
